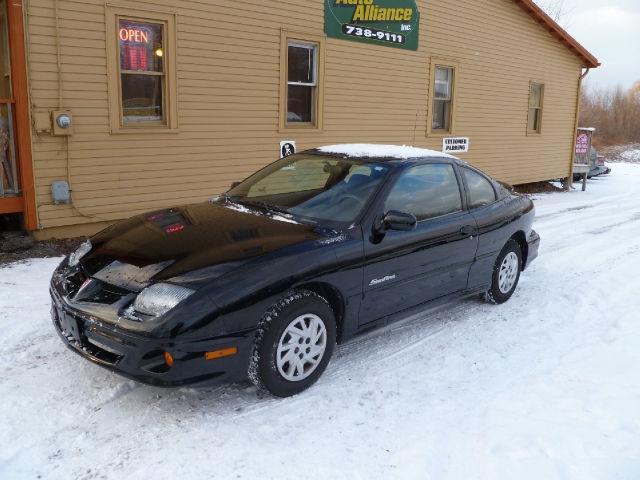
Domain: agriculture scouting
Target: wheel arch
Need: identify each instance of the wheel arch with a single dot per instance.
(336, 301)
(521, 239)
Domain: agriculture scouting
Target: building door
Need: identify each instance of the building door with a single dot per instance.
(17, 193)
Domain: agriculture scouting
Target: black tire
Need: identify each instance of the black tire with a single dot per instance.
(263, 368)
(494, 294)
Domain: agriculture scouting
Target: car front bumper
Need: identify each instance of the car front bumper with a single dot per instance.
(142, 359)
(533, 243)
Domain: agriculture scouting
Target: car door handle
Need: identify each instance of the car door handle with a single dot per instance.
(467, 230)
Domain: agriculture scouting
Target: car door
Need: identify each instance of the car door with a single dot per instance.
(404, 269)
(492, 219)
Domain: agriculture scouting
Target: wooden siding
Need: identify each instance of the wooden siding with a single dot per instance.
(228, 83)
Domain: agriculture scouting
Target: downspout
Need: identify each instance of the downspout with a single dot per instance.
(576, 124)
(56, 19)
(56, 24)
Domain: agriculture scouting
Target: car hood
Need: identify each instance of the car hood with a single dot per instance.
(207, 238)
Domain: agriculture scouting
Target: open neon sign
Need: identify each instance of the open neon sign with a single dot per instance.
(134, 35)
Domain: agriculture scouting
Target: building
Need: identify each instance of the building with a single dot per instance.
(139, 105)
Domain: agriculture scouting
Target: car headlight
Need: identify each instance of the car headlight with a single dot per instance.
(80, 252)
(158, 299)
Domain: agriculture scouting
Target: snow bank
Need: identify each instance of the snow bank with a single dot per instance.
(631, 155)
(546, 386)
(622, 153)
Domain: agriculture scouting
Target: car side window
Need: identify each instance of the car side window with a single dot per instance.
(481, 191)
(426, 191)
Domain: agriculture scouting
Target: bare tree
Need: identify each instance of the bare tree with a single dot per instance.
(554, 8)
(614, 112)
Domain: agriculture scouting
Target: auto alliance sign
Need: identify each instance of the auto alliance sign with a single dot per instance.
(392, 23)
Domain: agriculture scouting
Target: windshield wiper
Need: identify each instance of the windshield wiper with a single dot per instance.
(262, 205)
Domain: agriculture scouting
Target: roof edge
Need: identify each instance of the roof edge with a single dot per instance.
(559, 33)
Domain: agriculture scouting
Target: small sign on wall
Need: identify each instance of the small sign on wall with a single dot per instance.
(287, 148)
(455, 145)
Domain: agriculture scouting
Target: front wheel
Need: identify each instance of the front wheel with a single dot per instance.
(294, 343)
(506, 273)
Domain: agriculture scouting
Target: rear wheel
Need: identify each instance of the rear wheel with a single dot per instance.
(294, 343)
(506, 273)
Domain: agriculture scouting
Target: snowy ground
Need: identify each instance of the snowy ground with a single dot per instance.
(622, 153)
(544, 387)
(632, 156)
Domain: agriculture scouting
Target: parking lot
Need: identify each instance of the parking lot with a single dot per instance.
(545, 386)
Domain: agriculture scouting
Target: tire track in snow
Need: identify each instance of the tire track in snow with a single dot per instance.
(479, 380)
(564, 212)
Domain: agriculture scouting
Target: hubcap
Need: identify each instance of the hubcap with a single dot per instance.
(508, 272)
(301, 347)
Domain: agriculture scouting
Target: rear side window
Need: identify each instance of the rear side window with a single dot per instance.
(481, 191)
(427, 191)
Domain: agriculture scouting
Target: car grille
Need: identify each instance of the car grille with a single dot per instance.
(102, 293)
(73, 282)
(102, 352)
(80, 341)
(78, 286)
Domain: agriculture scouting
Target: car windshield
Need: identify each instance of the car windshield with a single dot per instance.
(313, 187)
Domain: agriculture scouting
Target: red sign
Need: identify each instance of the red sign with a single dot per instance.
(582, 144)
(134, 35)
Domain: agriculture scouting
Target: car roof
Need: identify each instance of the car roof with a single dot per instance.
(370, 151)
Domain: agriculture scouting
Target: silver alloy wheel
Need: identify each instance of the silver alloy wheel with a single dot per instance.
(301, 347)
(508, 272)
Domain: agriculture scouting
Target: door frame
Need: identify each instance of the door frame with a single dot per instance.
(26, 202)
(368, 217)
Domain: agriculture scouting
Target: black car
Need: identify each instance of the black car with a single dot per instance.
(263, 280)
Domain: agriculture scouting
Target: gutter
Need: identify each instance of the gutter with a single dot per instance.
(569, 182)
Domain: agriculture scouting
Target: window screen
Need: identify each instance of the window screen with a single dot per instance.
(536, 95)
(301, 82)
(442, 98)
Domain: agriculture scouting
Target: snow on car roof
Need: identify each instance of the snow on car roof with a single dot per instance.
(366, 150)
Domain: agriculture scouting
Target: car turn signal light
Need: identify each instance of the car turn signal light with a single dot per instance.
(168, 359)
(223, 352)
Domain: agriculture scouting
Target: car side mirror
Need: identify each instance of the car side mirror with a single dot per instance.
(399, 221)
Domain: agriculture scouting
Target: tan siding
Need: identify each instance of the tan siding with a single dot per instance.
(500, 51)
(228, 80)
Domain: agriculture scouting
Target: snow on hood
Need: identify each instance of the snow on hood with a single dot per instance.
(128, 276)
(366, 150)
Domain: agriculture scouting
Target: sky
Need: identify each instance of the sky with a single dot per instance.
(609, 29)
